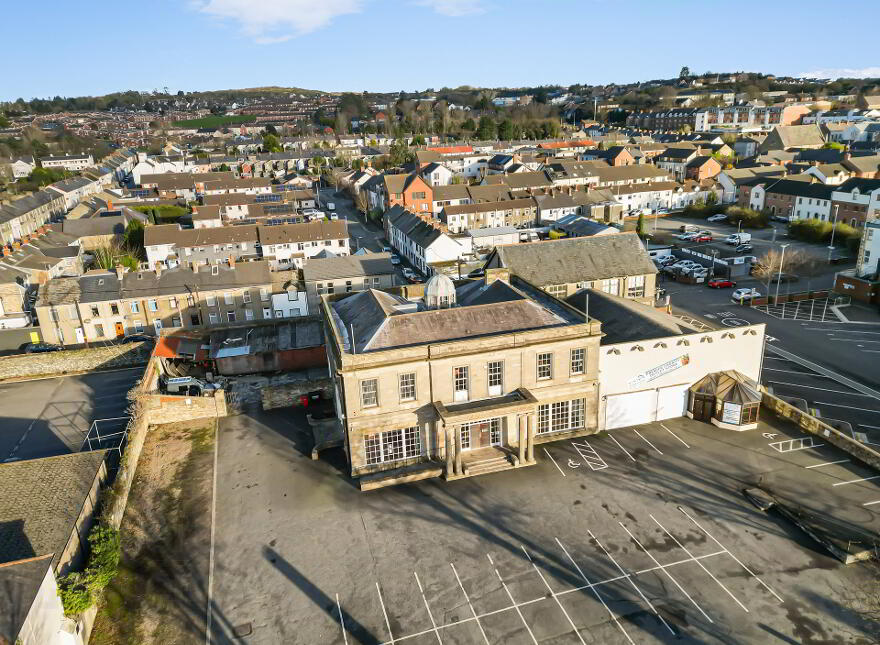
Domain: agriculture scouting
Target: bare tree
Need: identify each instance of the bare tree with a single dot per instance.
(795, 261)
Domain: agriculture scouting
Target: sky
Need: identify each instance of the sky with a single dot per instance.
(58, 47)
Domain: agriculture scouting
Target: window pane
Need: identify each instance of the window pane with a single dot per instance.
(577, 360)
(369, 393)
(545, 365)
(407, 383)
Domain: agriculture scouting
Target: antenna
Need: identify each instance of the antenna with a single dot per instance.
(586, 305)
(353, 346)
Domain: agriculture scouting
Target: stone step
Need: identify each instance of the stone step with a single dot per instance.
(485, 466)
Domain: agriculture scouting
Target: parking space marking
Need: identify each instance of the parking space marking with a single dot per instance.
(595, 591)
(828, 463)
(647, 442)
(553, 594)
(856, 481)
(470, 604)
(747, 570)
(668, 575)
(791, 445)
(674, 435)
(385, 613)
(810, 374)
(811, 387)
(427, 608)
(512, 601)
(701, 565)
(589, 455)
(871, 503)
(631, 582)
(341, 620)
(611, 436)
(561, 472)
(846, 407)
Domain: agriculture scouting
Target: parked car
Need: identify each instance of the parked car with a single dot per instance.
(702, 237)
(138, 338)
(744, 294)
(688, 228)
(331, 206)
(738, 238)
(410, 275)
(743, 248)
(720, 217)
(41, 348)
(720, 283)
(334, 216)
(779, 218)
(395, 259)
(684, 264)
(666, 259)
(386, 248)
(685, 236)
(784, 278)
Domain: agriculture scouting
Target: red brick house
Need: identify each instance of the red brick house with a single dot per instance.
(409, 191)
(702, 167)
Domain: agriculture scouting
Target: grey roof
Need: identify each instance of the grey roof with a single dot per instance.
(448, 193)
(19, 585)
(580, 259)
(583, 226)
(377, 323)
(69, 185)
(351, 266)
(625, 320)
(40, 502)
(297, 334)
(83, 227)
(492, 231)
(27, 204)
(175, 281)
(413, 226)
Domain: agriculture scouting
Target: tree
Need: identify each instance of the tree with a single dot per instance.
(399, 153)
(487, 130)
(224, 167)
(469, 125)
(270, 129)
(685, 72)
(271, 143)
(133, 238)
(506, 130)
(642, 226)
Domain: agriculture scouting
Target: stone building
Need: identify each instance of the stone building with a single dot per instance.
(445, 380)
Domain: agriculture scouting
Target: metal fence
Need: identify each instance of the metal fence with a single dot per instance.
(109, 434)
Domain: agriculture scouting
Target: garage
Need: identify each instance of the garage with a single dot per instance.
(645, 406)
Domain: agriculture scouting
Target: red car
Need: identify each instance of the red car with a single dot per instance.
(721, 284)
(702, 238)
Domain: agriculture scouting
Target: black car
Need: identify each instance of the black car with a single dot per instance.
(41, 348)
(743, 248)
(137, 338)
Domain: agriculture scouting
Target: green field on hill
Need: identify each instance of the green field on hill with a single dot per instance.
(215, 121)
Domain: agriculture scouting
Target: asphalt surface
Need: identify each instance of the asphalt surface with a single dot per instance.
(47, 417)
(642, 536)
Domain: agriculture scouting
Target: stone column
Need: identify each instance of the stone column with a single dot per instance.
(521, 431)
(450, 451)
(457, 431)
(531, 433)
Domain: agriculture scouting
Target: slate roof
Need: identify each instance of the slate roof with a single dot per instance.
(451, 192)
(582, 226)
(305, 232)
(40, 502)
(579, 259)
(677, 154)
(25, 205)
(625, 320)
(798, 188)
(522, 180)
(19, 585)
(173, 234)
(351, 266)
(863, 184)
(413, 226)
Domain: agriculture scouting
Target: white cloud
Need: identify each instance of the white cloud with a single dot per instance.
(273, 21)
(453, 8)
(843, 72)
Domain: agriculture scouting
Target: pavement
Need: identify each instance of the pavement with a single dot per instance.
(46, 417)
(639, 536)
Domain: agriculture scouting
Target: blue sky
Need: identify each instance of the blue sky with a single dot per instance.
(97, 46)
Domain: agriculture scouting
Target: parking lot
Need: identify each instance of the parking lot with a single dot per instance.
(46, 417)
(640, 536)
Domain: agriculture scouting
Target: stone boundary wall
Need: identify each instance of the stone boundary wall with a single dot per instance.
(286, 395)
(72, 361)
(170, 408)
(811, 424)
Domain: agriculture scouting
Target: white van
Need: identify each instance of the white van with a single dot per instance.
(738, 238)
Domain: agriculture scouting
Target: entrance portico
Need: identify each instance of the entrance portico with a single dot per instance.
(488, 435)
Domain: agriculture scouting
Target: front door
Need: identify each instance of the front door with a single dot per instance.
(120, 330)
(703, 409)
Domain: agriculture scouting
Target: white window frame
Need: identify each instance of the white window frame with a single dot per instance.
(495, 377)
(561, 416)
(406, 390)
(393, 445)
(544, 366)
(461, 383)
(369, 393)
(578, 361)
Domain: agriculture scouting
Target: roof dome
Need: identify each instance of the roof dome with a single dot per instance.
(439, 292)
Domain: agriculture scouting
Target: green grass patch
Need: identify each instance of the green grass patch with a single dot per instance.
(215, 121)
(164, 214)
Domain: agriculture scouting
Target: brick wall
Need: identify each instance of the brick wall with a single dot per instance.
(72, 361)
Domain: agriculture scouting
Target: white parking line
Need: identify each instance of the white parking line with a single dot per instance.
(595, 591)
(668, 575)
(810, 374)
(427, 608)
(555, 597)
(513, 602)
(847, 407)
(561, 472)
(747, 570)
(856, 481)
(385, 613)
(811, 387)
(674, 435)
(828, 463)
(611, 436)
(589, 454)
(631, 582)
(871, 503)
(470, 604)
(341, 620)
(702, 566)
(647, 442)
(864, 425)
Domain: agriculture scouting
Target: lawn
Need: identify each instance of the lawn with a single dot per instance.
(215, 121)
(159, 594)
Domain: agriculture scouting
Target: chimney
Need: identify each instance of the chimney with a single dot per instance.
(231, 261)
(120, 271)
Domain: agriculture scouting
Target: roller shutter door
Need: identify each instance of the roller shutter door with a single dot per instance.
(632, 409)
(671, 402)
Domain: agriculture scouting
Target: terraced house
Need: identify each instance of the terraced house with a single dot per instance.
(445, 380)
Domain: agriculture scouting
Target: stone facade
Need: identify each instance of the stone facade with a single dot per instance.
(74, 361)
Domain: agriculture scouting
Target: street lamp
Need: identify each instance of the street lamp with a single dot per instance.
(779, 277)
(833, 228)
